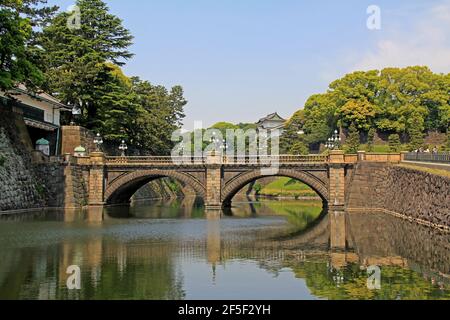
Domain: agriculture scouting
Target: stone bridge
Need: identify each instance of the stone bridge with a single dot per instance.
(217, 178)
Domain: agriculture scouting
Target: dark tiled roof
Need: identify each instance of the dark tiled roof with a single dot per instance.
(272, 116)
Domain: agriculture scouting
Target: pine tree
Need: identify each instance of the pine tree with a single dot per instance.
(394, 143)
(371, 139)
(75, 59)
(18, 41)
(291, 134)
(299, 148)
(353, 140)
(415, 131)
(82, 66)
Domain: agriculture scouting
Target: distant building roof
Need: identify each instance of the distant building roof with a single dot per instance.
(21, 88)
(271, 117)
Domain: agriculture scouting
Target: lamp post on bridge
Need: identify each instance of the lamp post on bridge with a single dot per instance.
(334, 142)
(98, 141)
(224, 147)
(123, 148)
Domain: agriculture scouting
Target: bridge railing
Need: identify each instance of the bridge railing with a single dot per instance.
(226, 160)
(270, 160)
(154, 160)
(285, 159)
(428, 157)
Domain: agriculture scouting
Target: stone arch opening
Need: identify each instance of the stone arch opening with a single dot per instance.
(124, 187)
(240, 181)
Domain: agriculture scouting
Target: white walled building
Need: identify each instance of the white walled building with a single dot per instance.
(41, 113)
(272, 122)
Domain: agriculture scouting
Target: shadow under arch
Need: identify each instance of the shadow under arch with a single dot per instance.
(240, 181)
(124, 187)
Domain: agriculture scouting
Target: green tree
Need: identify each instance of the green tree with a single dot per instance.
(360, 112)
(389, 100)
(161, 114)
(291, 134)
(415, 131)
(18, 41)
(74, 59)
(394, 143)
(83, 68)
(257, 188)
(299, 148)
(353, 140)
(320, 117)
(371, 139)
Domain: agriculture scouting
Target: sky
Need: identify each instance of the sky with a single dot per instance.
(241, 60)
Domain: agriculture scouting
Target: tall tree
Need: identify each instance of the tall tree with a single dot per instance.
(291, 134)
(75, 58)
(162, 114)
(353, 141)
(320, 117)
(371, 139)
(388, 101)
(415, 131)
(17, 41)
(394, 143)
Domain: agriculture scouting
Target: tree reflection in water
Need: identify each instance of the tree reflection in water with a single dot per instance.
(152, 252)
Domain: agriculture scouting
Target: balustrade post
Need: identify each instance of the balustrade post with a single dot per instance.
(361, 156)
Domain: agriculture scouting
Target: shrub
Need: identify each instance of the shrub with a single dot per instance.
(394, 143)
(257, 187)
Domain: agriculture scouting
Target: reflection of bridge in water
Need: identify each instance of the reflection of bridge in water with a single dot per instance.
(364, 239)
(369, 239)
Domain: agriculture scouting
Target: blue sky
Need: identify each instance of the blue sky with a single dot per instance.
(240, 60)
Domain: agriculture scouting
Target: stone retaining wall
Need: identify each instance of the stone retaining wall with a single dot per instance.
(51, 178)
(413, 194)
(20, 186)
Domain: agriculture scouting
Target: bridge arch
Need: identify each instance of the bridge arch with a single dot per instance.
(240, 181)
(121, 189)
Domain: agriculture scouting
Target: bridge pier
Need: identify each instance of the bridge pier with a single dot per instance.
(97, 179)
(336, 201)
(213, 197)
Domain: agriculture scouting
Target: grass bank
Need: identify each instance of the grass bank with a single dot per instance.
(287, 187)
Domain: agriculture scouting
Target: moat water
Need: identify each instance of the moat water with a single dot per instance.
(259, 250)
